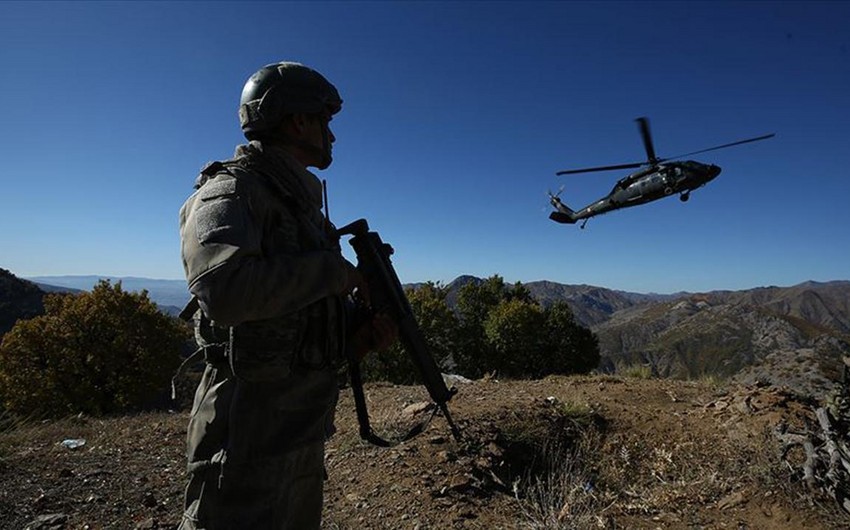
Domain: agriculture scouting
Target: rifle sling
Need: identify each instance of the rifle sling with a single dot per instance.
(366, 431)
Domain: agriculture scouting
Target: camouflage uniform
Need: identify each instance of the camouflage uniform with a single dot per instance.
(269, 275)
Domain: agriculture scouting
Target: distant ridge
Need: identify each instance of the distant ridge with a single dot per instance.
(790, 335)
(167, 293)
(793, 336)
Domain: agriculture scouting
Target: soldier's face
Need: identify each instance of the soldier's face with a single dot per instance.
(318, 135)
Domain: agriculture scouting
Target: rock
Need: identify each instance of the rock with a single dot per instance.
(446, 456)
(50, 521)
(147, 524)
(451, 379)
(494, 450)
(411, 411)
(353, 498)
(459, 482)
(149, 500)
(731, 501)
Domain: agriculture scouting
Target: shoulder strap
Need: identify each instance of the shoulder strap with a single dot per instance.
(208, 171)
(189, 309)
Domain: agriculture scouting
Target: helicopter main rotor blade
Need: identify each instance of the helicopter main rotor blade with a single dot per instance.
(603, 168)
(765, 137)
(643, 124)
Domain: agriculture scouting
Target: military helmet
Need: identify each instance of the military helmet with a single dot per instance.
(284, 88)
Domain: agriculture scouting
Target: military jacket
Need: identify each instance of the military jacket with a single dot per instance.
(264, 263)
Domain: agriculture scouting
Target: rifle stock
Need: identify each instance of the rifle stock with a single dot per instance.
(387, 295)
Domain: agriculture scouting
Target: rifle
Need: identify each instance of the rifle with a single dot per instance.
(386, 294)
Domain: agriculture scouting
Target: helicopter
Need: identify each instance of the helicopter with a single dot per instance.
(657, 178)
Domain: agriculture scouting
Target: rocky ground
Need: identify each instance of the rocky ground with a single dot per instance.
(562, 452)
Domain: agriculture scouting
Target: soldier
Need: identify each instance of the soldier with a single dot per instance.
(265, 267)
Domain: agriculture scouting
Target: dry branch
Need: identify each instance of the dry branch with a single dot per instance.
(827, 464)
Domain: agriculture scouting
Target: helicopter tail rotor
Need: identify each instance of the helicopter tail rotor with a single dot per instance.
(563, 213)
(555, 196)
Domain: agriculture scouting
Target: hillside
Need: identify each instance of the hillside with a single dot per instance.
(18, 299)
(794, 336)
(790, 336)
(591, 305)
(562, 452)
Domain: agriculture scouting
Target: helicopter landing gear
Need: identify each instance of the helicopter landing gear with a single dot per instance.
(684, 197)
(584, 222)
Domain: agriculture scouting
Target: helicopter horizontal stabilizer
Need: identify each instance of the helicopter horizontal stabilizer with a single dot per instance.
(561, 217)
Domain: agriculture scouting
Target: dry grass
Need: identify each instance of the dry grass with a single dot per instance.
(636, 371)
(564, 495)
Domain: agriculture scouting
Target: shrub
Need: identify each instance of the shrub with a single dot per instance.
(568, 347)
(101, 352)
(513, 330)
(495, 327)
(475, 352)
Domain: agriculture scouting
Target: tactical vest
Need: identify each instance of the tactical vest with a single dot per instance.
(309, 338)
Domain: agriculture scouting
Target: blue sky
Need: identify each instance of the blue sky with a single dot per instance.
(456, 118)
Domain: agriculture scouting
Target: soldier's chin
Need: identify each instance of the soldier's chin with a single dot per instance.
(325, 162)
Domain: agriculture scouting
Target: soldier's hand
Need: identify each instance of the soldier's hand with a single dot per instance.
(384, 331)
(376, 335)
(356, 284)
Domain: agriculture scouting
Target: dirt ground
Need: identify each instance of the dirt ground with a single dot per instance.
(562, 452)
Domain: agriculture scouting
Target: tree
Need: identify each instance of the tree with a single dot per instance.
(503, 328)
(568, 348)
(513, 330)
(495, 327)
(100, 352)
(474, 303)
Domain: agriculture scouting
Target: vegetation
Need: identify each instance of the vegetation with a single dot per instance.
(105, 351)
(493, 328)
(636, 370)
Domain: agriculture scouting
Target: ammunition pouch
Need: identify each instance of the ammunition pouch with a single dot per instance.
(271, 350)
(261, 359)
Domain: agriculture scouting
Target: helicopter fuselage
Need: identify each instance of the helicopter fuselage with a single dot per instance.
(643, 186)
(657, 178)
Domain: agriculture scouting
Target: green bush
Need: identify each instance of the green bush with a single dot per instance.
(568, 347)
(100, 352)
(475, 301)
(494, 328)
(514, 330)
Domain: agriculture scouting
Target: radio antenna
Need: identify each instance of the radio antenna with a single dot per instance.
(325, 197)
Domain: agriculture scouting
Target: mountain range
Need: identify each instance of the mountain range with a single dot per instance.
(796, 336)
(791, 336)
(169, 295)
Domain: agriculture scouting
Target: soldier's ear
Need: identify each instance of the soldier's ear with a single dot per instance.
(299, 122)
(287, 127)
